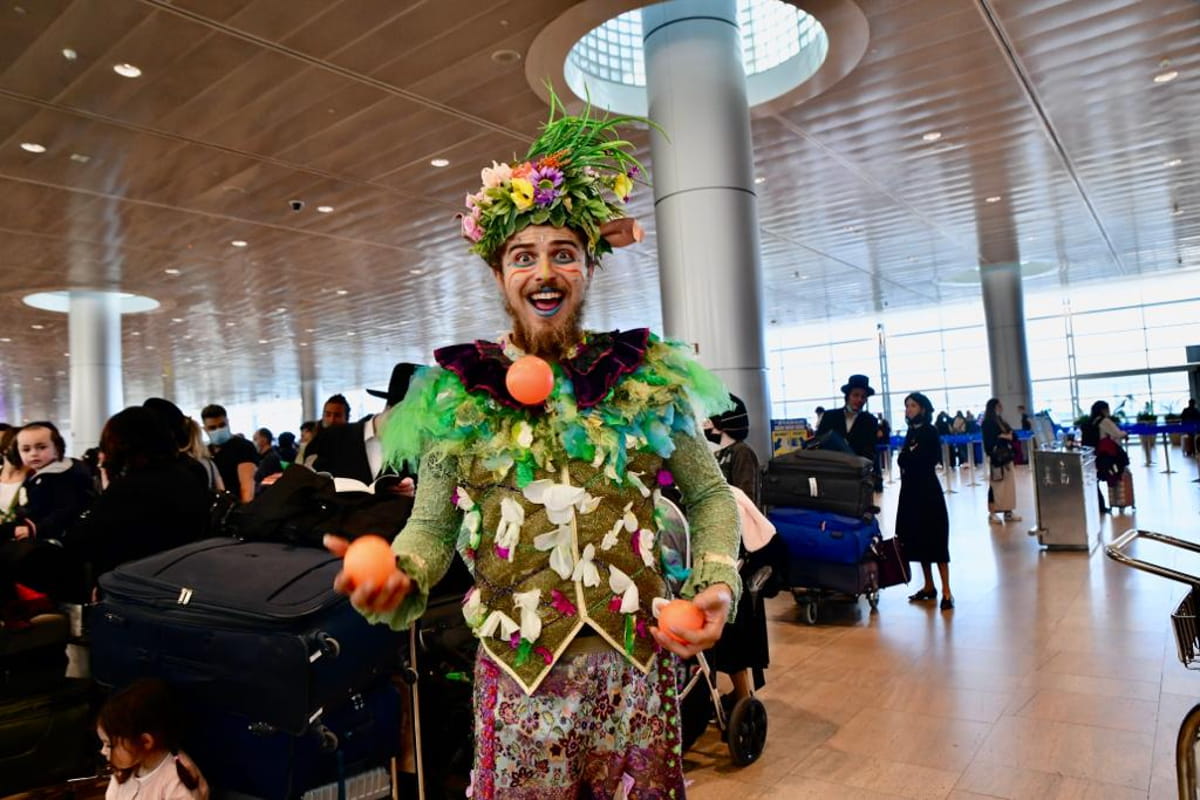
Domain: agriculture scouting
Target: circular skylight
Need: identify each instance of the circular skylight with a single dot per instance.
(782, 46)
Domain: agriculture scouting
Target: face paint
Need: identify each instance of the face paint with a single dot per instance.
(544, 278)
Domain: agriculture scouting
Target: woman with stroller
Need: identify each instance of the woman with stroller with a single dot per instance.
(922, 522)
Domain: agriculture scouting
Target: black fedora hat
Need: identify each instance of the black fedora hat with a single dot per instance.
(858, 382)
(398, 386)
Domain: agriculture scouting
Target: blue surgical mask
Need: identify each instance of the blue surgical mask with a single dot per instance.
(220, 436)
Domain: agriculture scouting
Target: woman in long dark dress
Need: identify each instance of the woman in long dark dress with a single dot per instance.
(922, 522)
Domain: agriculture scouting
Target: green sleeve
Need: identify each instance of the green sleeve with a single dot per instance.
(425, 547)
(712, 516)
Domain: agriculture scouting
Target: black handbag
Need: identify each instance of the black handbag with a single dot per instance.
(1002, 453)
(893, 566)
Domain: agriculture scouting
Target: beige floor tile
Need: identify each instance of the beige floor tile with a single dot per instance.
(1122, 713)
(1086, 684)
(877, 774)
(796, 787)
(911, 738)
(1018, 783)
(947, 701)
(1104, 755)
(720, 789)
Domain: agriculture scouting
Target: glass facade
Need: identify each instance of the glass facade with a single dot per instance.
(943, 352)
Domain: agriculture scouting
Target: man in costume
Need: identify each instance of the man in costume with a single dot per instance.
(552, 502)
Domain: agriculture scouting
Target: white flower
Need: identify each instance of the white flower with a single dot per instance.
(498, 619)
(473, 610)
(495, 175)
(558, 498)
(527, 604)
(622, 584)
(464, 501)
(508, 532)
(523, 433)
(645, 547)
(585, 568)
(558, 542)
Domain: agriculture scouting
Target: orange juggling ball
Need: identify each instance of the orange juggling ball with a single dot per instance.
(530, 380)
(680, 615)
(369, 559)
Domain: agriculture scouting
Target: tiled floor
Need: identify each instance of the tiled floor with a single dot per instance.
(1056, 676)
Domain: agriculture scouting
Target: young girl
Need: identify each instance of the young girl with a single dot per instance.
(139, 736)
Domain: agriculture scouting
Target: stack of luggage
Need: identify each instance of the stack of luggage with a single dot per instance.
(822, 505)
(287, 688)
(45, 717)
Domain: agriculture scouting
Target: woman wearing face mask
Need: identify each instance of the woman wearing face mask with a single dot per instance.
(922, 522)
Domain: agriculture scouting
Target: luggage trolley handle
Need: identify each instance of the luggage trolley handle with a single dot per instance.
(1116, 551)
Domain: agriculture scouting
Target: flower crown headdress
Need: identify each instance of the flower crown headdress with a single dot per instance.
(577, 174)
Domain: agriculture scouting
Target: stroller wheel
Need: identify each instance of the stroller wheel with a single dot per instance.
(747, 731)
(873, 599)
(809, 610)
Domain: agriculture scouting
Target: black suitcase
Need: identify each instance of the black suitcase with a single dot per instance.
(852, 579)
(823, 480)
(46, 737)
(251, 628)
(356, 737)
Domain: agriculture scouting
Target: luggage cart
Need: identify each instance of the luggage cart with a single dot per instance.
(1187, 642)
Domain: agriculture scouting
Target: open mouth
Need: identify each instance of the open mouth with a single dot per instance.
(547, 302)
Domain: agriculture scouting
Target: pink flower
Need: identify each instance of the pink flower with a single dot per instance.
(614, 605)
(495, 175)
(643, 630)
(546, 655)
(561, 604)
(502, 552)
(471, 228)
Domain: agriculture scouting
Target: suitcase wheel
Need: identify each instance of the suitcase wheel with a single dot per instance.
(873, 599)
(808, 608)
(747, 731)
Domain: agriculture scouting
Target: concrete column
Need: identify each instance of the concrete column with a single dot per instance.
(1004, 313)
(310, 399)
(706, 210)
(94, 325)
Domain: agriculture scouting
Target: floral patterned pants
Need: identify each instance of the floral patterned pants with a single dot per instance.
(596, 729)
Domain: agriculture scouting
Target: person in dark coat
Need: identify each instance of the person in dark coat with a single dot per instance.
(854, 425)
(922, 522)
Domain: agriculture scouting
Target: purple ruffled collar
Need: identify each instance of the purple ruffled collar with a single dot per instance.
(594, 370)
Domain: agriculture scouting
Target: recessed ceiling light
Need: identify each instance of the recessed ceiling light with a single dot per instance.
(310, 330)
(506, 56)
(760, 179)
(439, 162)
(264, 341)
(5, 339)
(69, 54)
(230, 324)
(176, 319)
(239, 243)
(189, 336)
(1166, 77)
(149, 347)
(33, 147)
(993, 199)
(304, 344)
(932, 136)
(80, 158)
(325, 209)
(171, 271)
(135, 333)
(343, 291)
(349, 333)
(126, 70)
(416, 272)
(280, 310)
(1174, 162)
(38, 327)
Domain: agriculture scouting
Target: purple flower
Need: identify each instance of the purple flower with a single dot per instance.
(665, 478)
(546, 180)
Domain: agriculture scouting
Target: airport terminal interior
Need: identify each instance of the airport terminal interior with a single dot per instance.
(269, 214)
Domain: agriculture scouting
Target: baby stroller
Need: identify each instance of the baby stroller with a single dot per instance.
(743, 724)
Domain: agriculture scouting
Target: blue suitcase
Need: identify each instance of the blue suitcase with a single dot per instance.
(250, 628)
(821, 536)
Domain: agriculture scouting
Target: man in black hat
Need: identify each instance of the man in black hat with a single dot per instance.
(855, 425)
(355, 450)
